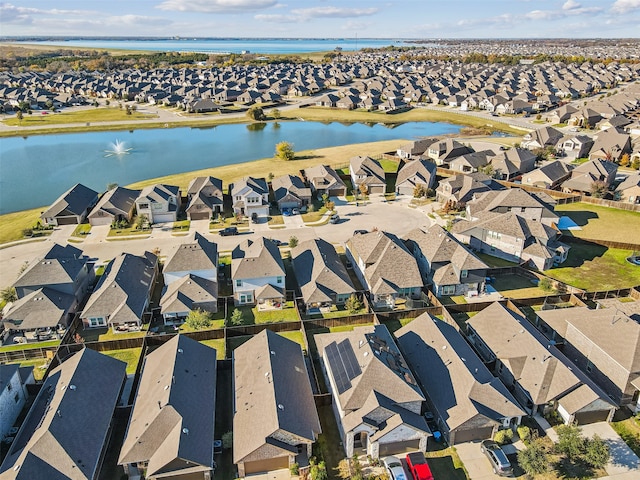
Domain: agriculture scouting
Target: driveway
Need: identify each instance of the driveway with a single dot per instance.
(476, 463)
(624, 464)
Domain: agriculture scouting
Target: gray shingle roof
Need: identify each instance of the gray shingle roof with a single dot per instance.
(60, 265)
(200, 254)
(187, 294)
(72, 202)
(417, 172)
(324, 177)
(255, 259)
(42, 308)
(118, 201)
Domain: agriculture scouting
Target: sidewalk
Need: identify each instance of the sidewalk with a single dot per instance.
(548, 429)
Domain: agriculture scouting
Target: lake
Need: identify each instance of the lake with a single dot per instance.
(231, 45)
(35, 170)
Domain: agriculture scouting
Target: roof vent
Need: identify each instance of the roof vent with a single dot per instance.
(180, 350)
(185, 431)
(272, 352)
(72, 387)
(280, 406)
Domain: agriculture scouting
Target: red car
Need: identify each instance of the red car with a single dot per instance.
(418, 466)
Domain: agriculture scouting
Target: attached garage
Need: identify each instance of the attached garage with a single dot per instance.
(396, 448)
(337, 192)
(70, 220)
(583, 418)
(199, 216)
(100, 220)
(267, 465)
(164, 218)
(377, 189)
(405, 189)
(471, 435)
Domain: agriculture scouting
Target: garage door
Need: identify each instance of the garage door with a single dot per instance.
(584, 418)
(199, 216)
(377, 190)
(395, 448)
(266, 465)
(338, 192)
(462, 436)
(67, 220)
(164, 218)
(95, 221)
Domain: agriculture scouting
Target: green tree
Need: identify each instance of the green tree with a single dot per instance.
(353, 303)
(318, 471)
(596, 452)
(275, 113)
(534, 459)
(198, 319)
(545, 284)
(419, 191)
(256, 113)
(111, 186)
(570, 441)
(227, 440)
(19, 115)
(236, 317)
(285, 151)
(636, 163)
(9, 294)
(598, 189)
(293, 242)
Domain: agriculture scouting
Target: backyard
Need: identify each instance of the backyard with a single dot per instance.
(601, 223)
(128, 355)
(252, 316)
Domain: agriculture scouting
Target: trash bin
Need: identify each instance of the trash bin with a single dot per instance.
(437, 436)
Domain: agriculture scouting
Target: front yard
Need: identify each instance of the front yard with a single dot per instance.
(445, 463)
(629, 429)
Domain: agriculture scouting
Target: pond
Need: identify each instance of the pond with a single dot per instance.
(35, 170)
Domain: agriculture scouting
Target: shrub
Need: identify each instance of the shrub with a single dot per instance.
(534, 459)
(198, 319)
(545, 284)
(227, 440)
(293, 242)
(596, 452)
(524, 433)
(294, 469)
(353, 303)
(503, 436)
(236, 317)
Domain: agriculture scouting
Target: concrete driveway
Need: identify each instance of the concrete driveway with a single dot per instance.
(624, 464)
(476, 462)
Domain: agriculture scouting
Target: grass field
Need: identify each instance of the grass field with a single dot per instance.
(602, 223)
(218, 344)
(12, 224)
(29, 346)
(128, 355)
(100, 114)
(629, 431)
(596, 268)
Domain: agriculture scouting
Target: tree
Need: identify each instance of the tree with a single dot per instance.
(285, 151)
(19, 115)
(198, 319)
(111, 186)
(236, 317)
(625, 160)
(353, 303)
(330, 205)
(270, 176)
(9, 294)
(545, 284)
(227, 440)
(570, 441)
(275, 113)
(419, 191)
(256, 113)
(318, 471)
(293, 242)
(534, 459)
(364, 189)
(598, 189)
(596, 452)
(636, 163)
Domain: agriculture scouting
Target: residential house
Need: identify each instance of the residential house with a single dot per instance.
(540, 377)
(60, 437)
(159, 203)
(575, 146)
(376, 399)
(368, 172)
(468, 402)
(250, 195)
(549, 176)
(586, 175)
(290, 191)
(275, 421)
(116, 205)
(171, 429)
(611, 145)
(562, 114)
(420, 172)
(72, 207)
(535, 206)
(512, 163)
(603, 342)
(258, 274)
(456, 191)
(446, 264)
(204, 198)
(325, 180)
(123, 293)
(415, 148)
(443, 151)
(323, 279)
(13, 394)
(542, 138)
(471, 162)
(629, 189)
(386, 267)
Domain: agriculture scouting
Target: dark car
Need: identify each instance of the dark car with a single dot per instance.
(360, 232)
(225, 232)
(498, 459)
(418, 466)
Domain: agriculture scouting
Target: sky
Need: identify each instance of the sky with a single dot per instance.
(323, 18)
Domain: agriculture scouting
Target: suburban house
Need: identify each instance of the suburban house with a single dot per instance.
(275, 421)
(376, 399)
(325, 180)
(159, 203)
(541, 138)
(603, 342)
(562, 114)
(443, 151)
(629, 189)
(60, 437)
(368, 172)
(258, 274)
(576, 146)
(49, 292)
(584, 176)
(323, 279)
(115, 205)
(549, 176)
(470, 162)
(250, 195)
(171, 429)
(611, 145)
(540, 377)
(534, 206)
(123, 293)
(204, 198)
(414, 149)
(416, 172)
(459, 189)
(467, 401)
(445, 263)
(72, 207)
(290, 191)
(386, 267)
(13, 394)
(512, 163)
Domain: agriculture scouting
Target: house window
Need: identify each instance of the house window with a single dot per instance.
(464, 274)
(17, 397)
(238, 283)
(589, 366)
(448, 289)
(279, 279)
(144, 206)
(9, 387)
(97, 322)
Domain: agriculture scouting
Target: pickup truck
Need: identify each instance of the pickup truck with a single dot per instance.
(418, 466)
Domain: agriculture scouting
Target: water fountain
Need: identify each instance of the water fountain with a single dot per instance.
(118, 148)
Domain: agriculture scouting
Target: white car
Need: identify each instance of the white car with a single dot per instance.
(394, 467)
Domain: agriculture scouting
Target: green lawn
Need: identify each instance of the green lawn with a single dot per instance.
(337, 311)
(82, 230)
(38, 372)
(103, 114)
(389, 165)
(29, 346)
(295, 336)
(125, 232)
(494, 262)
(103, 334)
(181, 225)
(516, 286)
(394, 325)
(218, 344)
(348, 328)
(12, 224)
(128, 355)
(629, 431)
(445, 463)
(596, 268)
(602, 223)
(251, 315)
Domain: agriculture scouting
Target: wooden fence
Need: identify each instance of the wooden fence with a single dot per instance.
(604, 243)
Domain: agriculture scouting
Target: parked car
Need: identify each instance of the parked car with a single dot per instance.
(286, 212)
(335, 218)
(418, 466)
(360, 232)
(394, 468)
(254, 217)
(295, 211)
(498, 459)
(225, 232)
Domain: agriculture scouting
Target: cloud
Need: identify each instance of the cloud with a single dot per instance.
(277, 18)
(12, 14)
(334, 12)
(216, 6)
(570, 5)
(624, 6)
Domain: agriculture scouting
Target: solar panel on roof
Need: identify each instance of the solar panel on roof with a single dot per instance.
(349, 359)
(337, 368)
